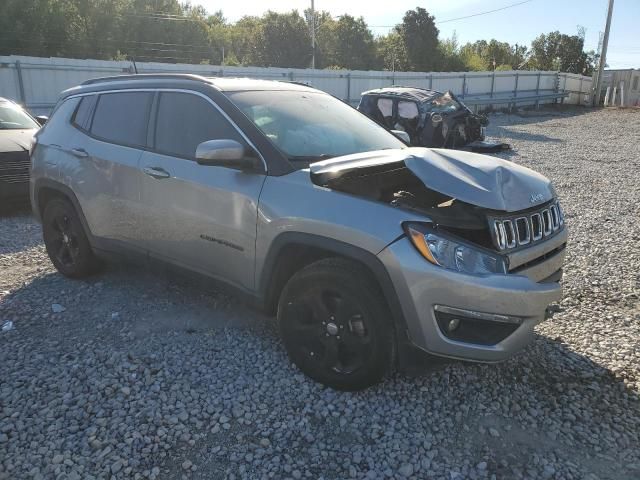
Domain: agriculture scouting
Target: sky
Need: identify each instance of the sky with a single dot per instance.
(518, 24)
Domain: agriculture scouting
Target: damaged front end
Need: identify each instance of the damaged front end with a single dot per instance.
(482, 215)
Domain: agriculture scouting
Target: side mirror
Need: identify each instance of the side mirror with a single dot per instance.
(225, 153)
(42, 119)
(404, 136)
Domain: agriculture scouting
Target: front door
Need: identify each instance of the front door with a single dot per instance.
(199, 217)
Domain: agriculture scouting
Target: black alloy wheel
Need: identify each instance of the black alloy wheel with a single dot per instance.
(335, 326)
(66, 241)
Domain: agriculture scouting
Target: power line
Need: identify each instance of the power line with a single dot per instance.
(484, 13)
(128, 44)
(466, 16)
(186, 18)
(142, 51)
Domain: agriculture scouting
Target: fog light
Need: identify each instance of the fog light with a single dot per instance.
(475, 327)
(453, 324)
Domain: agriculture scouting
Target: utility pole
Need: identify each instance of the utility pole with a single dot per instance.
(313, 36)
(603, 55)
(594, 79)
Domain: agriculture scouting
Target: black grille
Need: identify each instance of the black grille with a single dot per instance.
(538, 260)
(525, 228)
(14, 167)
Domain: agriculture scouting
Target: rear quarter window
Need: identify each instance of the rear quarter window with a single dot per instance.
(57, 128)
(122, 118)
(82, 116)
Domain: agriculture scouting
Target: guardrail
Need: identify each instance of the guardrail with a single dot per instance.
(512, 101)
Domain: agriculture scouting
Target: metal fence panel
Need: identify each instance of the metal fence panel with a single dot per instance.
(37, 82)
(579, 86)
(9, 80)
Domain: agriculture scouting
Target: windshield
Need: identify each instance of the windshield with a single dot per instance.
(13, 118)
(309, 126)
(443, 103)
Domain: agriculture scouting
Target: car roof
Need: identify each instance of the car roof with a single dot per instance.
(234, 84)
(409, 93)
(223, 84)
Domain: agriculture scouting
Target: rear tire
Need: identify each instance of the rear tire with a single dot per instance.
(66, 241)
(336, 326)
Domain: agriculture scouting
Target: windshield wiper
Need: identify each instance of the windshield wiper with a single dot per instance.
(310, 158)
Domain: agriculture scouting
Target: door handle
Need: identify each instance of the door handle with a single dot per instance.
(156, 172)
(79, 152)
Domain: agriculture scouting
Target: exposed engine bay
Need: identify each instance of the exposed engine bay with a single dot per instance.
(399, 187)
(459, 191)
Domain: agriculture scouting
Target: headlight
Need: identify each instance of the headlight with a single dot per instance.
(450, 252)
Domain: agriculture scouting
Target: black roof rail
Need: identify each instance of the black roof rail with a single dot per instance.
(144, 76)
(294, 82)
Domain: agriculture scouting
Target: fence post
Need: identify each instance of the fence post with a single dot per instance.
(515, 92)
(431, 81)
(579, 94)
(291, 75)
(538, 91)
(464, 84)
(23, 98)
(493, 82)
(349, 88)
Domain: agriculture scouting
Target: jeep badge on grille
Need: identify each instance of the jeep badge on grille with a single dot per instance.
(536, 197)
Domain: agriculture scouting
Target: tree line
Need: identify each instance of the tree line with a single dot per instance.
(173, 32)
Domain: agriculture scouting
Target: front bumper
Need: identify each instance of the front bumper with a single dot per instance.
(421, 287)
(14, 190)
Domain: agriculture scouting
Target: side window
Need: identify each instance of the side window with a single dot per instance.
(122, 117)
(185, 120)
(82, 115)
(635, 82)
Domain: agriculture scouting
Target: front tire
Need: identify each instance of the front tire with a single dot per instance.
(66, 241)
(336, 326)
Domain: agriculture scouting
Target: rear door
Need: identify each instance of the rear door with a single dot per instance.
(200, 217)
(109, 150)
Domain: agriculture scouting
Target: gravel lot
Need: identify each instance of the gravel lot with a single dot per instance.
(135, 375)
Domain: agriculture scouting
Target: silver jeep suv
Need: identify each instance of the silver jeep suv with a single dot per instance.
(363, 247)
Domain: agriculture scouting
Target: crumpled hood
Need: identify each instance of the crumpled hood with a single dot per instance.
(481, 180)
(15, 140)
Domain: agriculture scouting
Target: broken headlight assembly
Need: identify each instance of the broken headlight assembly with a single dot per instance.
(450, 252)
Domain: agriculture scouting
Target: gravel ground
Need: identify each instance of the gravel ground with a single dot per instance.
(135, 375)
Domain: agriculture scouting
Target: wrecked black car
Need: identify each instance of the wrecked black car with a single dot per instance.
(430, 118)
